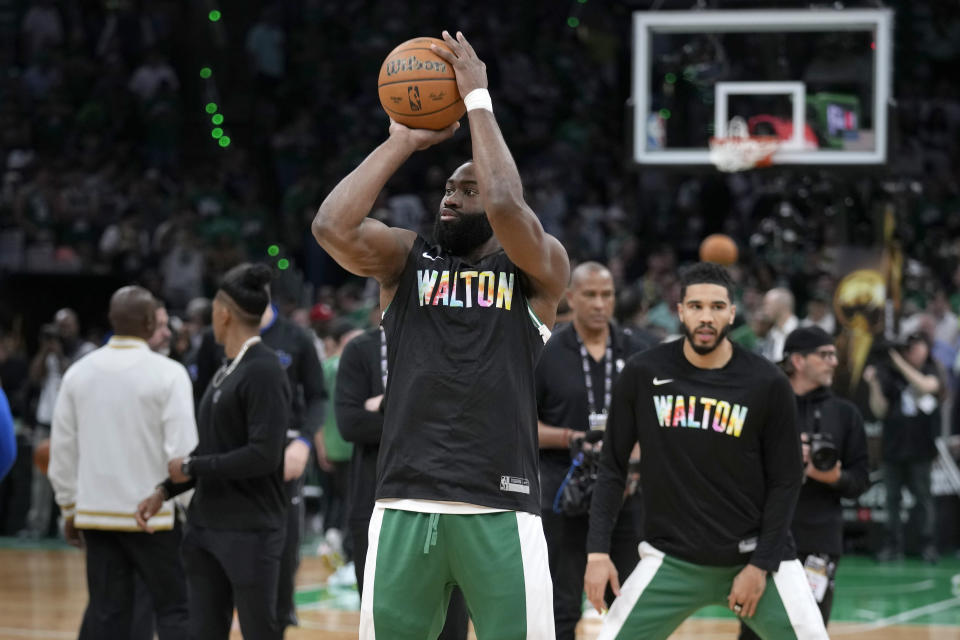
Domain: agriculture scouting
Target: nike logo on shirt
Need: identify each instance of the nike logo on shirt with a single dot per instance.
(428, 256)
(657, 381)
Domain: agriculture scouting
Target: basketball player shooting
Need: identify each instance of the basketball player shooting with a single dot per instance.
(465, 318)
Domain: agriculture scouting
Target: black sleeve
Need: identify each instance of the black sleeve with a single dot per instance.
(854, 461)
(618, 442)
(207, 364)
(315, 396)
(353, 388)
(783, 474)
(265, 401)
(174, 489)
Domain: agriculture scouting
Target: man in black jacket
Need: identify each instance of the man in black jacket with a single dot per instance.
(810, 359)
(575, 378)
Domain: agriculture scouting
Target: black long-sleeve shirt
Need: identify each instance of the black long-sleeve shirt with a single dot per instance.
(298, 357)
(818, 521)
(237, 467)
(359, 378)
(720, 462)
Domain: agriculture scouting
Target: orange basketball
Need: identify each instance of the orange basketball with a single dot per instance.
(41, 456)
(418, 88)
(719, 248)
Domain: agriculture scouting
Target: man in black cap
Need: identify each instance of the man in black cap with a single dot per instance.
(834, 455)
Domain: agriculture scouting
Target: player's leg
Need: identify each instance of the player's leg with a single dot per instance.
(211, 596)
(253, 567)
(110, 585)
(163, 582)
(407, 581)
(660, 594)
(500, 562)
(290, 560)
(567, 572)
(787, 610)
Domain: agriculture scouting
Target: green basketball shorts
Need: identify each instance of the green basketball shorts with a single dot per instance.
(499, 561)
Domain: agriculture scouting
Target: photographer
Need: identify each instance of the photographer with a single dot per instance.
(575, 377)
(904, 394)
(835, 459)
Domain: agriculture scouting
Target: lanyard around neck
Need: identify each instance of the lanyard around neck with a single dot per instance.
(226, 370)
(383, 357)
(588, 377)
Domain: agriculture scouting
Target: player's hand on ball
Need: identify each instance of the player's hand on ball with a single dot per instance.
(421, 139)
(600, 571)
(747, 589)
(470, 70)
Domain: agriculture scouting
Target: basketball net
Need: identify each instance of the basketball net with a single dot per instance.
(739, 151)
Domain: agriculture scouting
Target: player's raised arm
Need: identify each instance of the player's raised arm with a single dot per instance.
(362, 245)
(538, 254)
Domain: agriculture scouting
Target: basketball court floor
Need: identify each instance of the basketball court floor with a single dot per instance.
(43, 595)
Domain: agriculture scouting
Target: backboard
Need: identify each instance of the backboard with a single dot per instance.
(818, 80)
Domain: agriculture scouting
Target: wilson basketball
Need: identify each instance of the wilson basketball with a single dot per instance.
(418, 88)
(719, 248)
(41, 456)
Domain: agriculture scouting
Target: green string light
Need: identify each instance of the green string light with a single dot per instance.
(217, 119)
(665, 114)
(217, 133)
(211, 107)
(573, 22)
(670, 78)
(273, 250)
(214, 16)
(225, 141)
(206, 72)
(283, 264)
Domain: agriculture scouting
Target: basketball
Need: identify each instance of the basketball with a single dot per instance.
(719, 248)
(41, 456)
(418, 88)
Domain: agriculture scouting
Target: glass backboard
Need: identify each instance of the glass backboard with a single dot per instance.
(818, 81)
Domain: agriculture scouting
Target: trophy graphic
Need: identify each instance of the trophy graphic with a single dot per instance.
(860, 304)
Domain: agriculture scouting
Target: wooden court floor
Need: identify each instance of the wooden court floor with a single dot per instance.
(43, 595)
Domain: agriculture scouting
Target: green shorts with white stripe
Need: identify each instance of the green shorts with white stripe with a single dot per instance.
(499, 561)
(663, 591)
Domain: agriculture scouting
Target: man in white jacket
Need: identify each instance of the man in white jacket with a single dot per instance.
(122, 413)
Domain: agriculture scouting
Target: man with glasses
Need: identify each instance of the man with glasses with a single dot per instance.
(810, 359)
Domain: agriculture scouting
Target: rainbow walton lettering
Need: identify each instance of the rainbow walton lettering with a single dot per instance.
(465, 289)
(700, 413)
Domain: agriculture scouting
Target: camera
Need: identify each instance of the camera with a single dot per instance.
(823, 453)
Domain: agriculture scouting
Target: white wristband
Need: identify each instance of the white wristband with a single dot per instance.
(478, 99)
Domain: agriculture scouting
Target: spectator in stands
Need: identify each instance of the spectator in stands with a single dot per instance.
(778, 307)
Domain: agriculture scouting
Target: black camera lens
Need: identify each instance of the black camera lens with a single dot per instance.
(823, 453)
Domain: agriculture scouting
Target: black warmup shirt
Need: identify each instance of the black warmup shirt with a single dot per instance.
(237, 467)
(460, 414)
(359, 377)
(818, 521)
(721, 463)
(298, 357)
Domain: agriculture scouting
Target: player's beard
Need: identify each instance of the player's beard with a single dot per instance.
(700, 349)
(463, 235)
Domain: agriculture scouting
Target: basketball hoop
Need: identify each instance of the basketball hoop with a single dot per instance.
(739, 151)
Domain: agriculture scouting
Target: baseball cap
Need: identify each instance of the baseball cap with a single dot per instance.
(805, 340)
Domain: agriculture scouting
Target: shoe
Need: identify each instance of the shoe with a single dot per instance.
(930, 554)
(889, 554)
